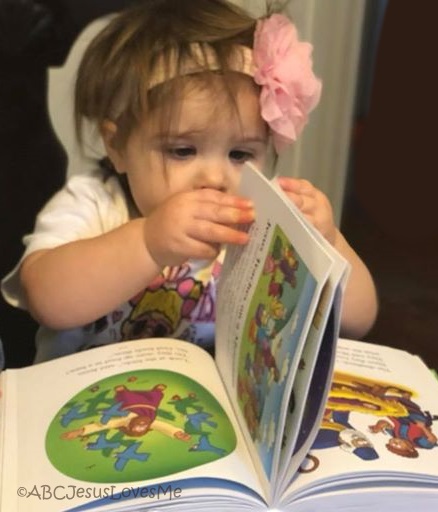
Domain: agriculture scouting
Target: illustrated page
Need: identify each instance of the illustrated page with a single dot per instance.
(108, 419)
(268, 293)
(380, 422)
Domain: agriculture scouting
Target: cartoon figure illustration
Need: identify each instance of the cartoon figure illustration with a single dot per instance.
(282, 260)
(96, 400)
(261, 332)
(408, 426)
(263, 359)
(141, 408)
(182, 405)
(249, 395)
(309, 464)
(103, 444)
(354, 441)
(349, 393)
(407, 432)
(130, 453)
(74, 413)
(157, 313)
(123, 427)
(337, 431)
(196, 420)
(173, 296)
(115, 410)
(204, 445)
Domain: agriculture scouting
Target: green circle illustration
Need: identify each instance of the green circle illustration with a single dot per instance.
(138, 425)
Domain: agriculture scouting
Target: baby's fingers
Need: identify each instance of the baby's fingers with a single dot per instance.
(227, 215)
(295, 185)
(212, 196)
(214, 233)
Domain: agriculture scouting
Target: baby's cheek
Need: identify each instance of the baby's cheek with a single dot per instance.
(234, 183)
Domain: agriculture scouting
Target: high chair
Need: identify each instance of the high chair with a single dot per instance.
(36, 148)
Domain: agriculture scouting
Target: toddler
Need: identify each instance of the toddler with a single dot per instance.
(183, 93)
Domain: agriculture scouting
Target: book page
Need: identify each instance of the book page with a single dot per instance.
(311, 387)
(380, 424)
(268, 294)
(122, 416)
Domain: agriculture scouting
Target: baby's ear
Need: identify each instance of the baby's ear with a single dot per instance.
(108, 131)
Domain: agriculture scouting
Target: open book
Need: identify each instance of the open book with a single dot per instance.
(376, 449)
(159, 424)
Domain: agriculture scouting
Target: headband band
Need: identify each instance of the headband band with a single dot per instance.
(201, 58)
(279, 62)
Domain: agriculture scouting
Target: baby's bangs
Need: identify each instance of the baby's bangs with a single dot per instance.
(165, 99)
(174, 72)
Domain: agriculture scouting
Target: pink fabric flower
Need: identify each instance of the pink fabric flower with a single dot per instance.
(283, 68)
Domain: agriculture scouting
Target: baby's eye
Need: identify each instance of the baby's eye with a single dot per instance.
(181, 152)
(240, 156)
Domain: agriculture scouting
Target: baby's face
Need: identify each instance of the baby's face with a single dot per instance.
(205, 145)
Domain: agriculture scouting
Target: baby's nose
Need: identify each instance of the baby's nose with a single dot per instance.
(215, 176)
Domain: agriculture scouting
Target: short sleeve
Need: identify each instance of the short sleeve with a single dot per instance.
(85, 207)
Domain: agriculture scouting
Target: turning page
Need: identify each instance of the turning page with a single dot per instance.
(312, 380)
(268, 294)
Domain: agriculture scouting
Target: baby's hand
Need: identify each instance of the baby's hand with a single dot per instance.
(313, 203)
(195, 224)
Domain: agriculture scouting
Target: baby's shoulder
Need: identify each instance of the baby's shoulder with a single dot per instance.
(93, 187)
(91, 196)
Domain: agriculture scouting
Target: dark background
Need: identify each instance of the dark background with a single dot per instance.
(389, 214)
(34, 34)
(390, 211)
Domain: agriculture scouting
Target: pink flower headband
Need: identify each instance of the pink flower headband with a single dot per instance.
(283, 69)
(279, 63)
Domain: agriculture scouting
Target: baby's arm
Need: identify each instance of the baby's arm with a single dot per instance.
(360, 299)
(75, 283)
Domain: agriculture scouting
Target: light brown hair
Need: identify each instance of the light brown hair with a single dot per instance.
(114, 76)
